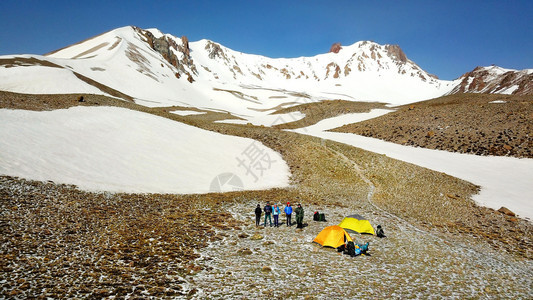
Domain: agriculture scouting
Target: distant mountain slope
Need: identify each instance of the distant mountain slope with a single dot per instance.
(496, 80)
(480, 124)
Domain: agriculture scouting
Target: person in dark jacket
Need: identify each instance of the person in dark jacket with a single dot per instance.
(258, 212)
(268, 214)
(299, 211)
(379, 232)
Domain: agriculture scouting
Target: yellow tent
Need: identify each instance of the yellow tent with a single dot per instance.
(357, 223)
(332, 236)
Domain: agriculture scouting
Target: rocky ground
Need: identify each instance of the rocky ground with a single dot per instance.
(409, 263)
(478, 124)
(60, 242)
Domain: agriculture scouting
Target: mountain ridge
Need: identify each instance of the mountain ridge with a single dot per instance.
(157, 69)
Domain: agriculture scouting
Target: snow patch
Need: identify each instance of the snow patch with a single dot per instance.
(120, 150)
(188, 112)
(43, 80)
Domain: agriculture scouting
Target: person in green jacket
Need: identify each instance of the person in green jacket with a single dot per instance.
(299, 211)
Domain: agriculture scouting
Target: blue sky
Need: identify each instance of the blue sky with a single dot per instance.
(446, 38)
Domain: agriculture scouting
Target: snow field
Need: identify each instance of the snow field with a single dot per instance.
(120, 150)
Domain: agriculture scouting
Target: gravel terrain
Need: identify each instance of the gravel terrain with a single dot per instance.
(478, 124)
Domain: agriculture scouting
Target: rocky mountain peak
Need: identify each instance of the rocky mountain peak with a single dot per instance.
(395, 52)
(169, 47)
(335, 48)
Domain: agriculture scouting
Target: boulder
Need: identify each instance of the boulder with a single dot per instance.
(245, 251)
(266, 269)
(256, 237)
(506, 211)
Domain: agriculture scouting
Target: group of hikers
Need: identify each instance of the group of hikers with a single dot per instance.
(275, 211)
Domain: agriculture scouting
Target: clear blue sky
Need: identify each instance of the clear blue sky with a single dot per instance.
(446, 38)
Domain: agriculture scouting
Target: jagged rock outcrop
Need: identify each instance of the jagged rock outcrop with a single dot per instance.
(396, 53)
(164, 45)
(215, 50)
(335, 68)
(335, 48)
(185, 42)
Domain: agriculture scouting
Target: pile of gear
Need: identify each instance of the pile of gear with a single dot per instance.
(337, 236)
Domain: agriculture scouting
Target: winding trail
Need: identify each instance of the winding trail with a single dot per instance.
(372, 190)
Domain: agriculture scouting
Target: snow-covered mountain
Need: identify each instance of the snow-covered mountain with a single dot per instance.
(496, 80)
(156, 69)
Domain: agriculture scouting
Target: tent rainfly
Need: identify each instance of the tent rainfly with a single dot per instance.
(332, 236)
(357, 224)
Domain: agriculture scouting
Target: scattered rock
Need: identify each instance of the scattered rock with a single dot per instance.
(506, 211)
(244, 251)
(256, 237)
(456, 197)
(266, 269)
(243, 235)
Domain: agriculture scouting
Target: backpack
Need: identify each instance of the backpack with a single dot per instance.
(379, 232)
(322, 217)
(350, 249)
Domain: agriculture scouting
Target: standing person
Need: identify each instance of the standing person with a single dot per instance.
(288, 213)
(258, 212)
(299, 216)
(276, 211)
(268, 212)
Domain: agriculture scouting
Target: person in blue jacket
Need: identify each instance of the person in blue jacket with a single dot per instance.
(288, 213)
(276, 211)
